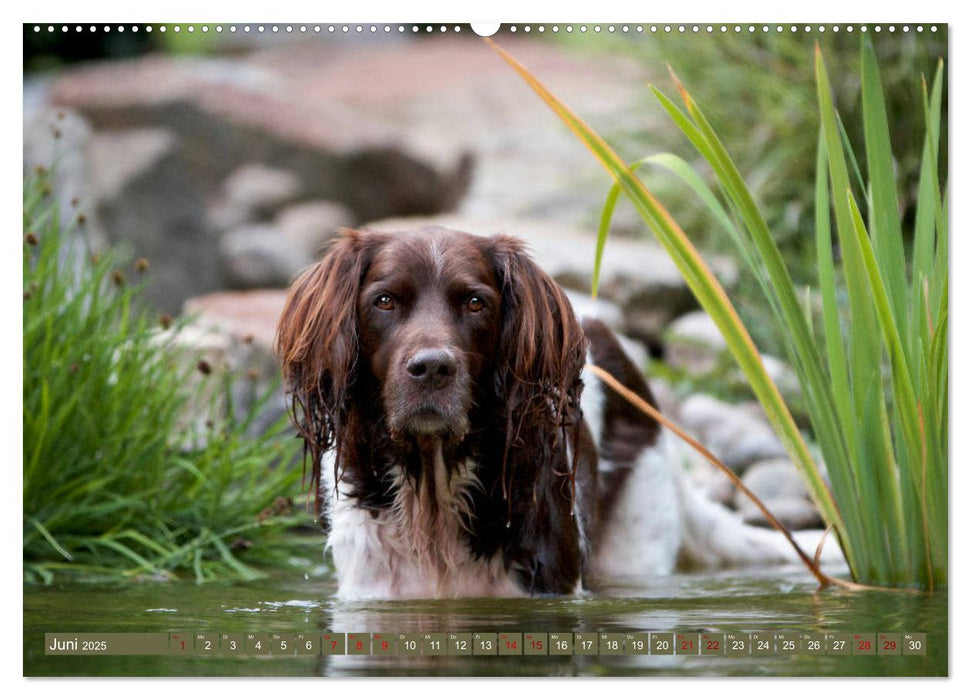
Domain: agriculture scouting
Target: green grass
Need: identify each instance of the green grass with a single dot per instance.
(874, 372)
(120, 478)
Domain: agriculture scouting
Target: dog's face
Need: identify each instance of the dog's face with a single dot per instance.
(429, 312)
(412, 332)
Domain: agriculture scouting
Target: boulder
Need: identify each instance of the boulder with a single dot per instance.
(256, 256)
(59, 141)
(237, 330)
(254, 192)
(735, 434)
(150, 201)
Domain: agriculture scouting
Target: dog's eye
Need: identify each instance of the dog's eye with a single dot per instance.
(475, 304)
(384, 302)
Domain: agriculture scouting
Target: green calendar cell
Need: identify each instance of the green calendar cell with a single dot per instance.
(611, 643)
(662, 643)
(307, 644)
(459, 643)
(889, 644)
(382, 644)
(585, 644)
(408, 645)
(282, 644)
(864, 644)
(536, 644)
(737, 644)
(762, 643)
(257, 644)
(786, 643)
(686, 643)
(637, 643)
(510, 643)
(359, 643)
(711, 644)
(561, 643)
(485, 644)
(333, 643)
(433, 644)
(206, 643)
(914, 644)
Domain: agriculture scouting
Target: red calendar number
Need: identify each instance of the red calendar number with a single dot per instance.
(890, 645)
(712, 645)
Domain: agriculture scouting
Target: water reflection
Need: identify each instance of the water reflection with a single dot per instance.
(742, 601)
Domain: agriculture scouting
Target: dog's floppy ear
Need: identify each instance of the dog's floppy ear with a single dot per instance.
(542, 347)
(317, 343)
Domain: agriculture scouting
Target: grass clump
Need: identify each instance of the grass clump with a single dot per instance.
(874, 370)
(120, 478)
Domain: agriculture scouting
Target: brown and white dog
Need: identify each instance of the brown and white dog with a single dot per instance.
(458, 448)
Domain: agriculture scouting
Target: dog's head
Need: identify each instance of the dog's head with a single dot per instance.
(418, 329)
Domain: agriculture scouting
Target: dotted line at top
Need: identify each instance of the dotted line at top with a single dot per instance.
(527, 28)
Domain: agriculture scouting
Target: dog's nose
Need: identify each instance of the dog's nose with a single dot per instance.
(432, 368)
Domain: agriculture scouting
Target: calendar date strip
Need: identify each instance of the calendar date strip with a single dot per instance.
(727, 644)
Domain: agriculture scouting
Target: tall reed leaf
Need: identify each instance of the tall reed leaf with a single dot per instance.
(702, 283)
(874, 372)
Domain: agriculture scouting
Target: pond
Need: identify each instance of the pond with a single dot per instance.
(738, 604)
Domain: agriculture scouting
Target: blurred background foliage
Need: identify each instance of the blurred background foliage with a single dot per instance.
(759, 92)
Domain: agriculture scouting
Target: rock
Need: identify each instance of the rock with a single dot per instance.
(309, 225)
(255, 256)
(694, 343)
(242, 325)
(782, 374)
(731, 432)
(777, 483)
(151, 202)
(771, 478)
(664, 396)
(585, 306)
(707, 478)
(252, 193)
(284, 112)
(794, 513)
(270, 255)
(248, 317)
(59, 141)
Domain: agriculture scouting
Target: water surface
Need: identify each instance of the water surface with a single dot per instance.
(781, 600)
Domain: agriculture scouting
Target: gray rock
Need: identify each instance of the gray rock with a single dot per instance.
(309, 225)
(236, 330)
(707, 478)
(771, 478)
(151, 201)
(694, 344)
(585, 306)
(256, 256)
(252, 193)
(794, 513)
(777, 483)
(270, 255)
(664, 394)
(731, 432)
(60, 141)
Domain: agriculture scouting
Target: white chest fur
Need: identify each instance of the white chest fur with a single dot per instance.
(415, 549)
